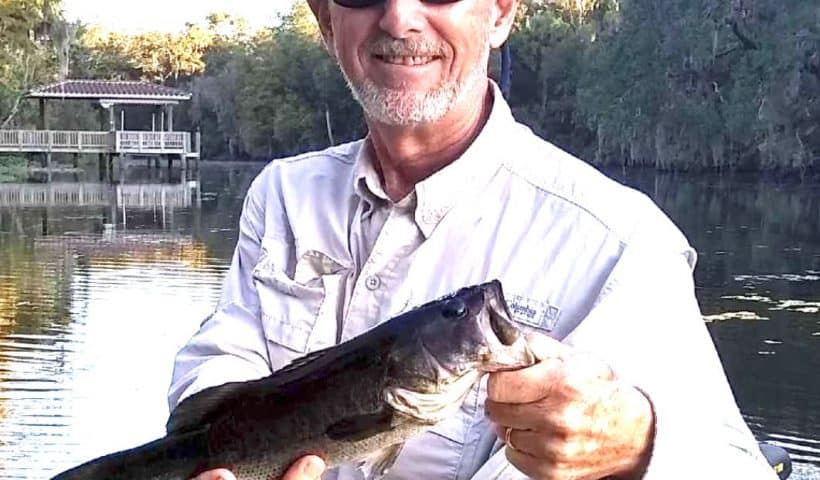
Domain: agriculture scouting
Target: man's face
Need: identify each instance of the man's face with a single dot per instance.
(409, 62)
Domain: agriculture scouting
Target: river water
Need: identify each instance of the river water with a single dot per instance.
(101, 284)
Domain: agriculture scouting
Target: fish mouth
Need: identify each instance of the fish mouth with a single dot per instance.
(508, 349)
(444, 367)
(499, 320)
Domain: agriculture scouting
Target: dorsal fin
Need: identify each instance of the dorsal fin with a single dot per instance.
(198, 409)
(302, 361)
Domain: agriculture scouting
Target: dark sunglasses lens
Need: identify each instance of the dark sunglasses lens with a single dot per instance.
(370, 3)
(357, 3)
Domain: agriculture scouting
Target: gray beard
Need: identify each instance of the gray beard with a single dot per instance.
(399, 107)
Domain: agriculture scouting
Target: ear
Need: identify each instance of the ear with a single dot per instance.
(503, 17)
(321, 10)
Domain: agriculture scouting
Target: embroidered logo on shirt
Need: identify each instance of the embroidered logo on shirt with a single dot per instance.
(534, 313)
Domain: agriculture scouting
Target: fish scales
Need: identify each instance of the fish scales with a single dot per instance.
(354, 403)
(291, 430)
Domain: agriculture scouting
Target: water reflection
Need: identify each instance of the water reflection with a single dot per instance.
(757, 279)
(96, 297)
(99, 286)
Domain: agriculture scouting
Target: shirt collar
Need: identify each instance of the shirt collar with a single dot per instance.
(366, 181)
(437, 194)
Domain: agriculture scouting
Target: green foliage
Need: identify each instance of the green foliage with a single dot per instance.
(152, 56)
(678, 84)
(13, 168)
(271, 96)
(544, 96)
(672, 84)
(27, 50)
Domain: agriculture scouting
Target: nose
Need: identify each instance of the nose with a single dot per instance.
(402, 18)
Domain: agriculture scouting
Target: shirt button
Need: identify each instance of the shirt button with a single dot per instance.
(372, 282)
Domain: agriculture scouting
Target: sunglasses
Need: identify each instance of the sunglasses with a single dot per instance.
(373, 3)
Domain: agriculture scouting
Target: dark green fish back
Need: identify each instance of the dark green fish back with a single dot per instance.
(201, 408)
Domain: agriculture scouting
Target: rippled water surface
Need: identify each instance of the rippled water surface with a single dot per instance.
(99, 289)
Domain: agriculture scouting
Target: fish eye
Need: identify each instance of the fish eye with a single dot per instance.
(454, 308)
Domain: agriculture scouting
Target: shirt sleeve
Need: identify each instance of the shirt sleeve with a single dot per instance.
(230, 345)
(648, 326)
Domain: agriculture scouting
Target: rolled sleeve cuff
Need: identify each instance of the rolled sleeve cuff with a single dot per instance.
(681, 451)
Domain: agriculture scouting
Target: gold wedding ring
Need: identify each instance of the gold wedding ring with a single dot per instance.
(508, 438)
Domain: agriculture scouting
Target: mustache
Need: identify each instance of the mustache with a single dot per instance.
(408, 47)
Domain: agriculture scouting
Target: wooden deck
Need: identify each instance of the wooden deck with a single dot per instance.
(119, 142)
(95, 194)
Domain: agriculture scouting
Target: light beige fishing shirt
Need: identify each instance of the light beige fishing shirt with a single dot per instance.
(323, 256)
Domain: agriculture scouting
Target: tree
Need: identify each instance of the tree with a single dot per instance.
(104, 55)
(691, 84)
(272, 95)
(26, 54)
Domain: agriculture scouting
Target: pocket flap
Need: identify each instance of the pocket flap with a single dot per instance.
(300, 313)
(314, 264)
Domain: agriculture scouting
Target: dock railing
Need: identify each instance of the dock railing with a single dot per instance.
(153, 142)
(68, 141)
(65, 141)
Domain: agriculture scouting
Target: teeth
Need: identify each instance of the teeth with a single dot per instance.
(408, 61)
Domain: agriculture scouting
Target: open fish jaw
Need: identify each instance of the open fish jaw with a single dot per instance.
(473, 336)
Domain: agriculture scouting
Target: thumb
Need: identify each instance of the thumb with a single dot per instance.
(545, 347)
(309, 467)
(219, 474)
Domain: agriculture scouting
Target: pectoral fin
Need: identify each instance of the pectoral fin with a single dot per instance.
(376, 466)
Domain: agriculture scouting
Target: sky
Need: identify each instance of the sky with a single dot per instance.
(168, 15)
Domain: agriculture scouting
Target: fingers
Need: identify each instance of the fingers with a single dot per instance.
(537, 458)
(561, 371)
(568, 416)
(526, 416)
(309, 467)
(532, 383)
(529, 442)
(219, 474)
(594, 437)
(526, 385)
(544, 346)
(526, 463)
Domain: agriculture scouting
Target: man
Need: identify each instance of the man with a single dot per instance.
(448, 190)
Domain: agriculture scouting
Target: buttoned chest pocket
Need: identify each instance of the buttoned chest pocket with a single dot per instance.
(300, 308)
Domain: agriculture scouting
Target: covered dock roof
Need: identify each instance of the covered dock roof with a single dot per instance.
(112, 91)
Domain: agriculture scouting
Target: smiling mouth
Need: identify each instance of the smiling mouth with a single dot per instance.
(409, 61)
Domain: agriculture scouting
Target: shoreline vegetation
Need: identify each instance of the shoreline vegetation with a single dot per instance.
(677, 85)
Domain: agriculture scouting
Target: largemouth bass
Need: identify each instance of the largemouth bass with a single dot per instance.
(354, 403)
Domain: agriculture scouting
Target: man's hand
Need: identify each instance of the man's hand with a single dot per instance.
(306, 468)
(569, 417)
